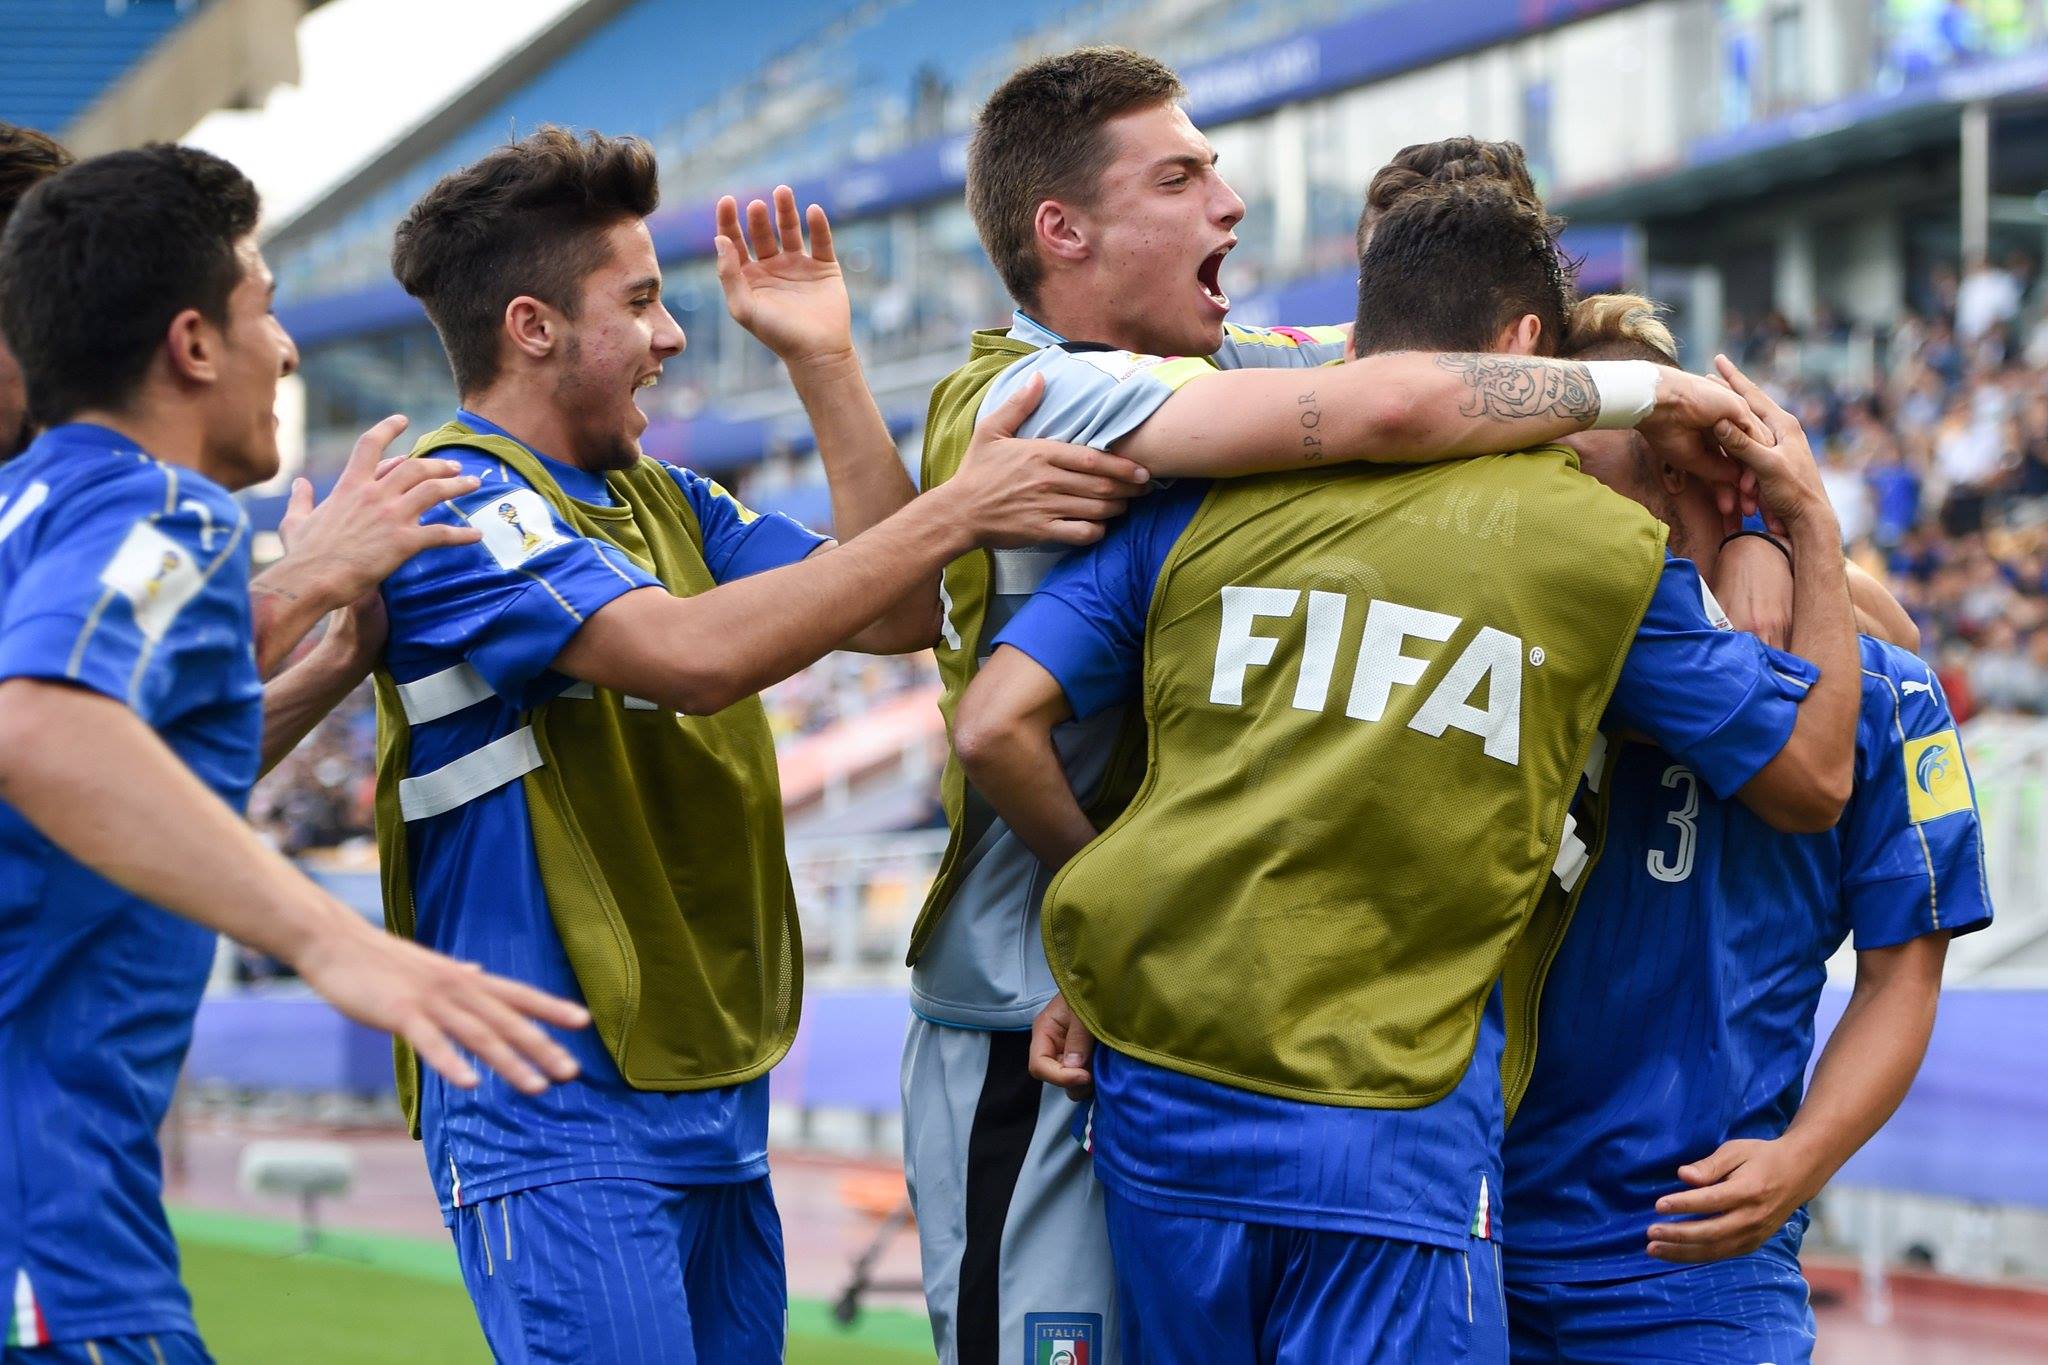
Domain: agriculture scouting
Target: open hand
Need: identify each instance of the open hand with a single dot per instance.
(369, 523)
(441, 1006)
(1018, 491)
(1740, 1196)
(791, 297)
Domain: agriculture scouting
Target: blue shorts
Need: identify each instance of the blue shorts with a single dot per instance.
(139, 1348)
(1206, 1289)
(1751, 1310)
(604, 1270)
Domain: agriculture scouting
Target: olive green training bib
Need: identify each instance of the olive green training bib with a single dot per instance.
(659, 836)
(1369, 693)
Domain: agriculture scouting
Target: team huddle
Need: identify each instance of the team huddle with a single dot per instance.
(1387, 897)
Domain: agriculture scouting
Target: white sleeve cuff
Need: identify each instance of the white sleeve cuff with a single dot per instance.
(1627, 391)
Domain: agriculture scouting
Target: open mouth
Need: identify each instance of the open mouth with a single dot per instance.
(647, 381)
(1208, 275)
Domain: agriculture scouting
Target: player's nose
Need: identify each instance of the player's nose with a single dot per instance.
(668, 334)
(1226, 206)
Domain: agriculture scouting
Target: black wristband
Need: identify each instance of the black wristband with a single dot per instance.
(1764, 536)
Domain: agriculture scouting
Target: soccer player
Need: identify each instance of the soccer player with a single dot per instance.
(577, 783)
(1658, 1167)
(1290, 941)
(1106, 215)
(134, 299)
(26, 158)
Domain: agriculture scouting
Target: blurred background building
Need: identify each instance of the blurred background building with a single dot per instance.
(1848, 196)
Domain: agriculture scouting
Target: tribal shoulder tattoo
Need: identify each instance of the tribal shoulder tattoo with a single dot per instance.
(1521, 386)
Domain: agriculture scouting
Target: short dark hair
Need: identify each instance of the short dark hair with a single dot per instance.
(1451, 264)
(27, 158)
(1441, 163)
(1040, 137)
(527, 218)
(99, 258)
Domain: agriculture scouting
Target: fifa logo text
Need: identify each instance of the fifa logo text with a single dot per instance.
(1493, 658)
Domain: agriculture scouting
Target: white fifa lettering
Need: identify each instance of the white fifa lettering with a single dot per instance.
(1319, 649)
(1494, 658)
(1237, 649)
(1381, 664)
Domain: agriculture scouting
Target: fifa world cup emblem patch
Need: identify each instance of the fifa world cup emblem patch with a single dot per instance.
(164, 569)
(517, 526)
(1063, 1338)
(528, 541)
(156, 574)
(1936, 782)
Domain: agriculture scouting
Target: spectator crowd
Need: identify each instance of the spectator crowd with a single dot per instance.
(1933, 439)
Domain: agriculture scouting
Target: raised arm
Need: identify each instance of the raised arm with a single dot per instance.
(96, 781)
(792, 297)
(1753, 580)
(701, 654)
(1803, 789)
(1411, 407)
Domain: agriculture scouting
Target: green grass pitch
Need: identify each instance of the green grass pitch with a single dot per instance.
(376, 1300)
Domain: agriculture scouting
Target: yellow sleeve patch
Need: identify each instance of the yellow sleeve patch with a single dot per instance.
(746, 513)
(1936, 784)
(1178, 371)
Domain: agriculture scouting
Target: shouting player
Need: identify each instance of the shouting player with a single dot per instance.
(1658, 1167)
(576, 780)
(134, 299)
(1290, 942)
(1109, 221)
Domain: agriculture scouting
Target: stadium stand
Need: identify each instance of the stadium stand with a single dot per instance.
(1839, 193)
(112, 73)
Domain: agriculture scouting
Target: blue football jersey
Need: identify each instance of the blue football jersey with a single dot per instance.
(1679, 1011)
(130, 578)
(1181, 1144)
(506, 608)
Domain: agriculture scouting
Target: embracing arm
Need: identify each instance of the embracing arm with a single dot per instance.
(99, 783)
(298, 699)
(1003, 735)
(339, 551)
(1878, 613)
(1745, 1190)
(1409, 407)
(699, 655)
(1754, 585)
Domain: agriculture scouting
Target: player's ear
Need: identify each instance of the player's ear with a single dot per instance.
(1521, 337)
(532, 326)
(1059, 231)
(192, 347)
(1673, 477)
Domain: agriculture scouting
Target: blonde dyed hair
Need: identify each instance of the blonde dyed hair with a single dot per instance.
(1618, 327)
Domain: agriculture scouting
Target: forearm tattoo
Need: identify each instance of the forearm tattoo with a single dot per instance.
(1310, 415)
(1507, 387)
